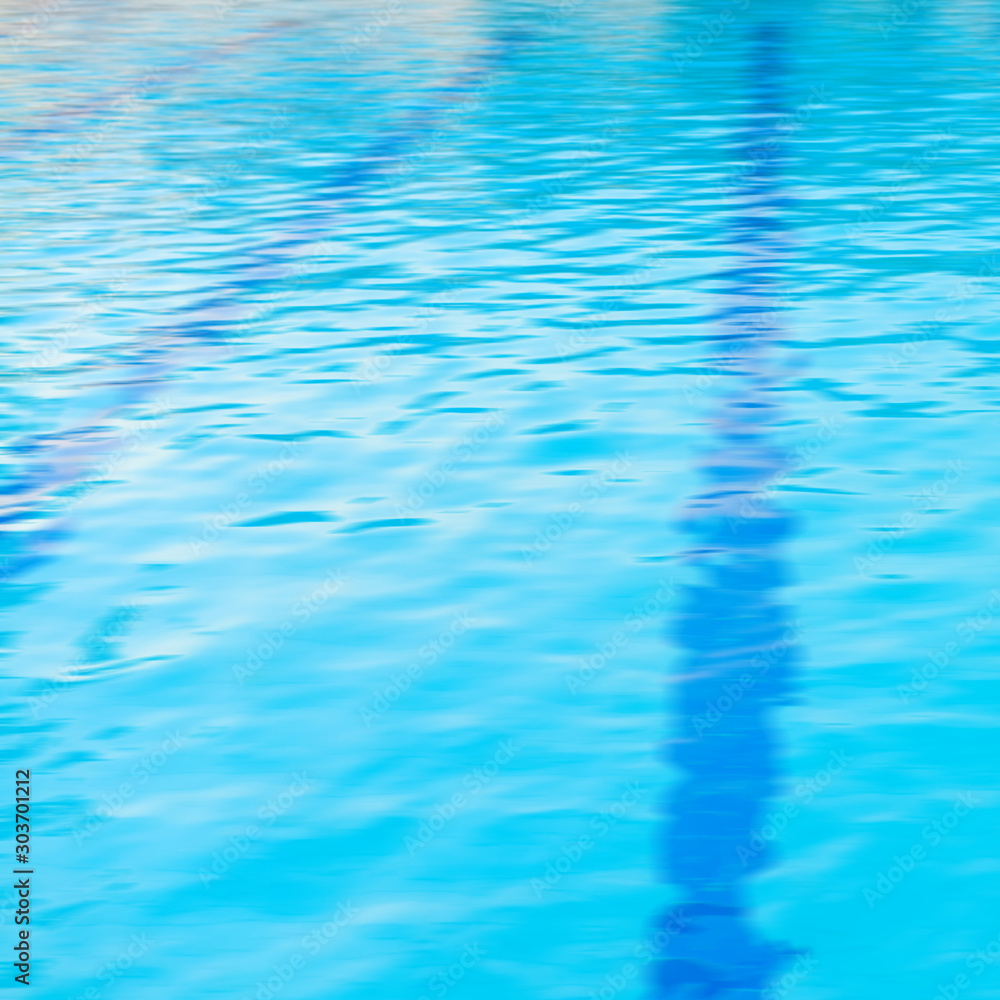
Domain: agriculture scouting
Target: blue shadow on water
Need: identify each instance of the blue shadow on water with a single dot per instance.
(54, 462)
(737, 645)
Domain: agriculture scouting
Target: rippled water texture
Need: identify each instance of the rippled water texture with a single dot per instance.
(498, 498)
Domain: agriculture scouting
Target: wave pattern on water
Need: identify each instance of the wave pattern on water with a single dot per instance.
(352, 362)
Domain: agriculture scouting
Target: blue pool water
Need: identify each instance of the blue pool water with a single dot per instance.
(498, 498)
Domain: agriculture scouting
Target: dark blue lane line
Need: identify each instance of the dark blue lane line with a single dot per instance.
(61, 458)
(738, 650)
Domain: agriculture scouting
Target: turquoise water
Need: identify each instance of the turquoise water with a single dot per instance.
(420, 417)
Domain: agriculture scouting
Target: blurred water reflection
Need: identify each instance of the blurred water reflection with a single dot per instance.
(740, 643)
(351, 366)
